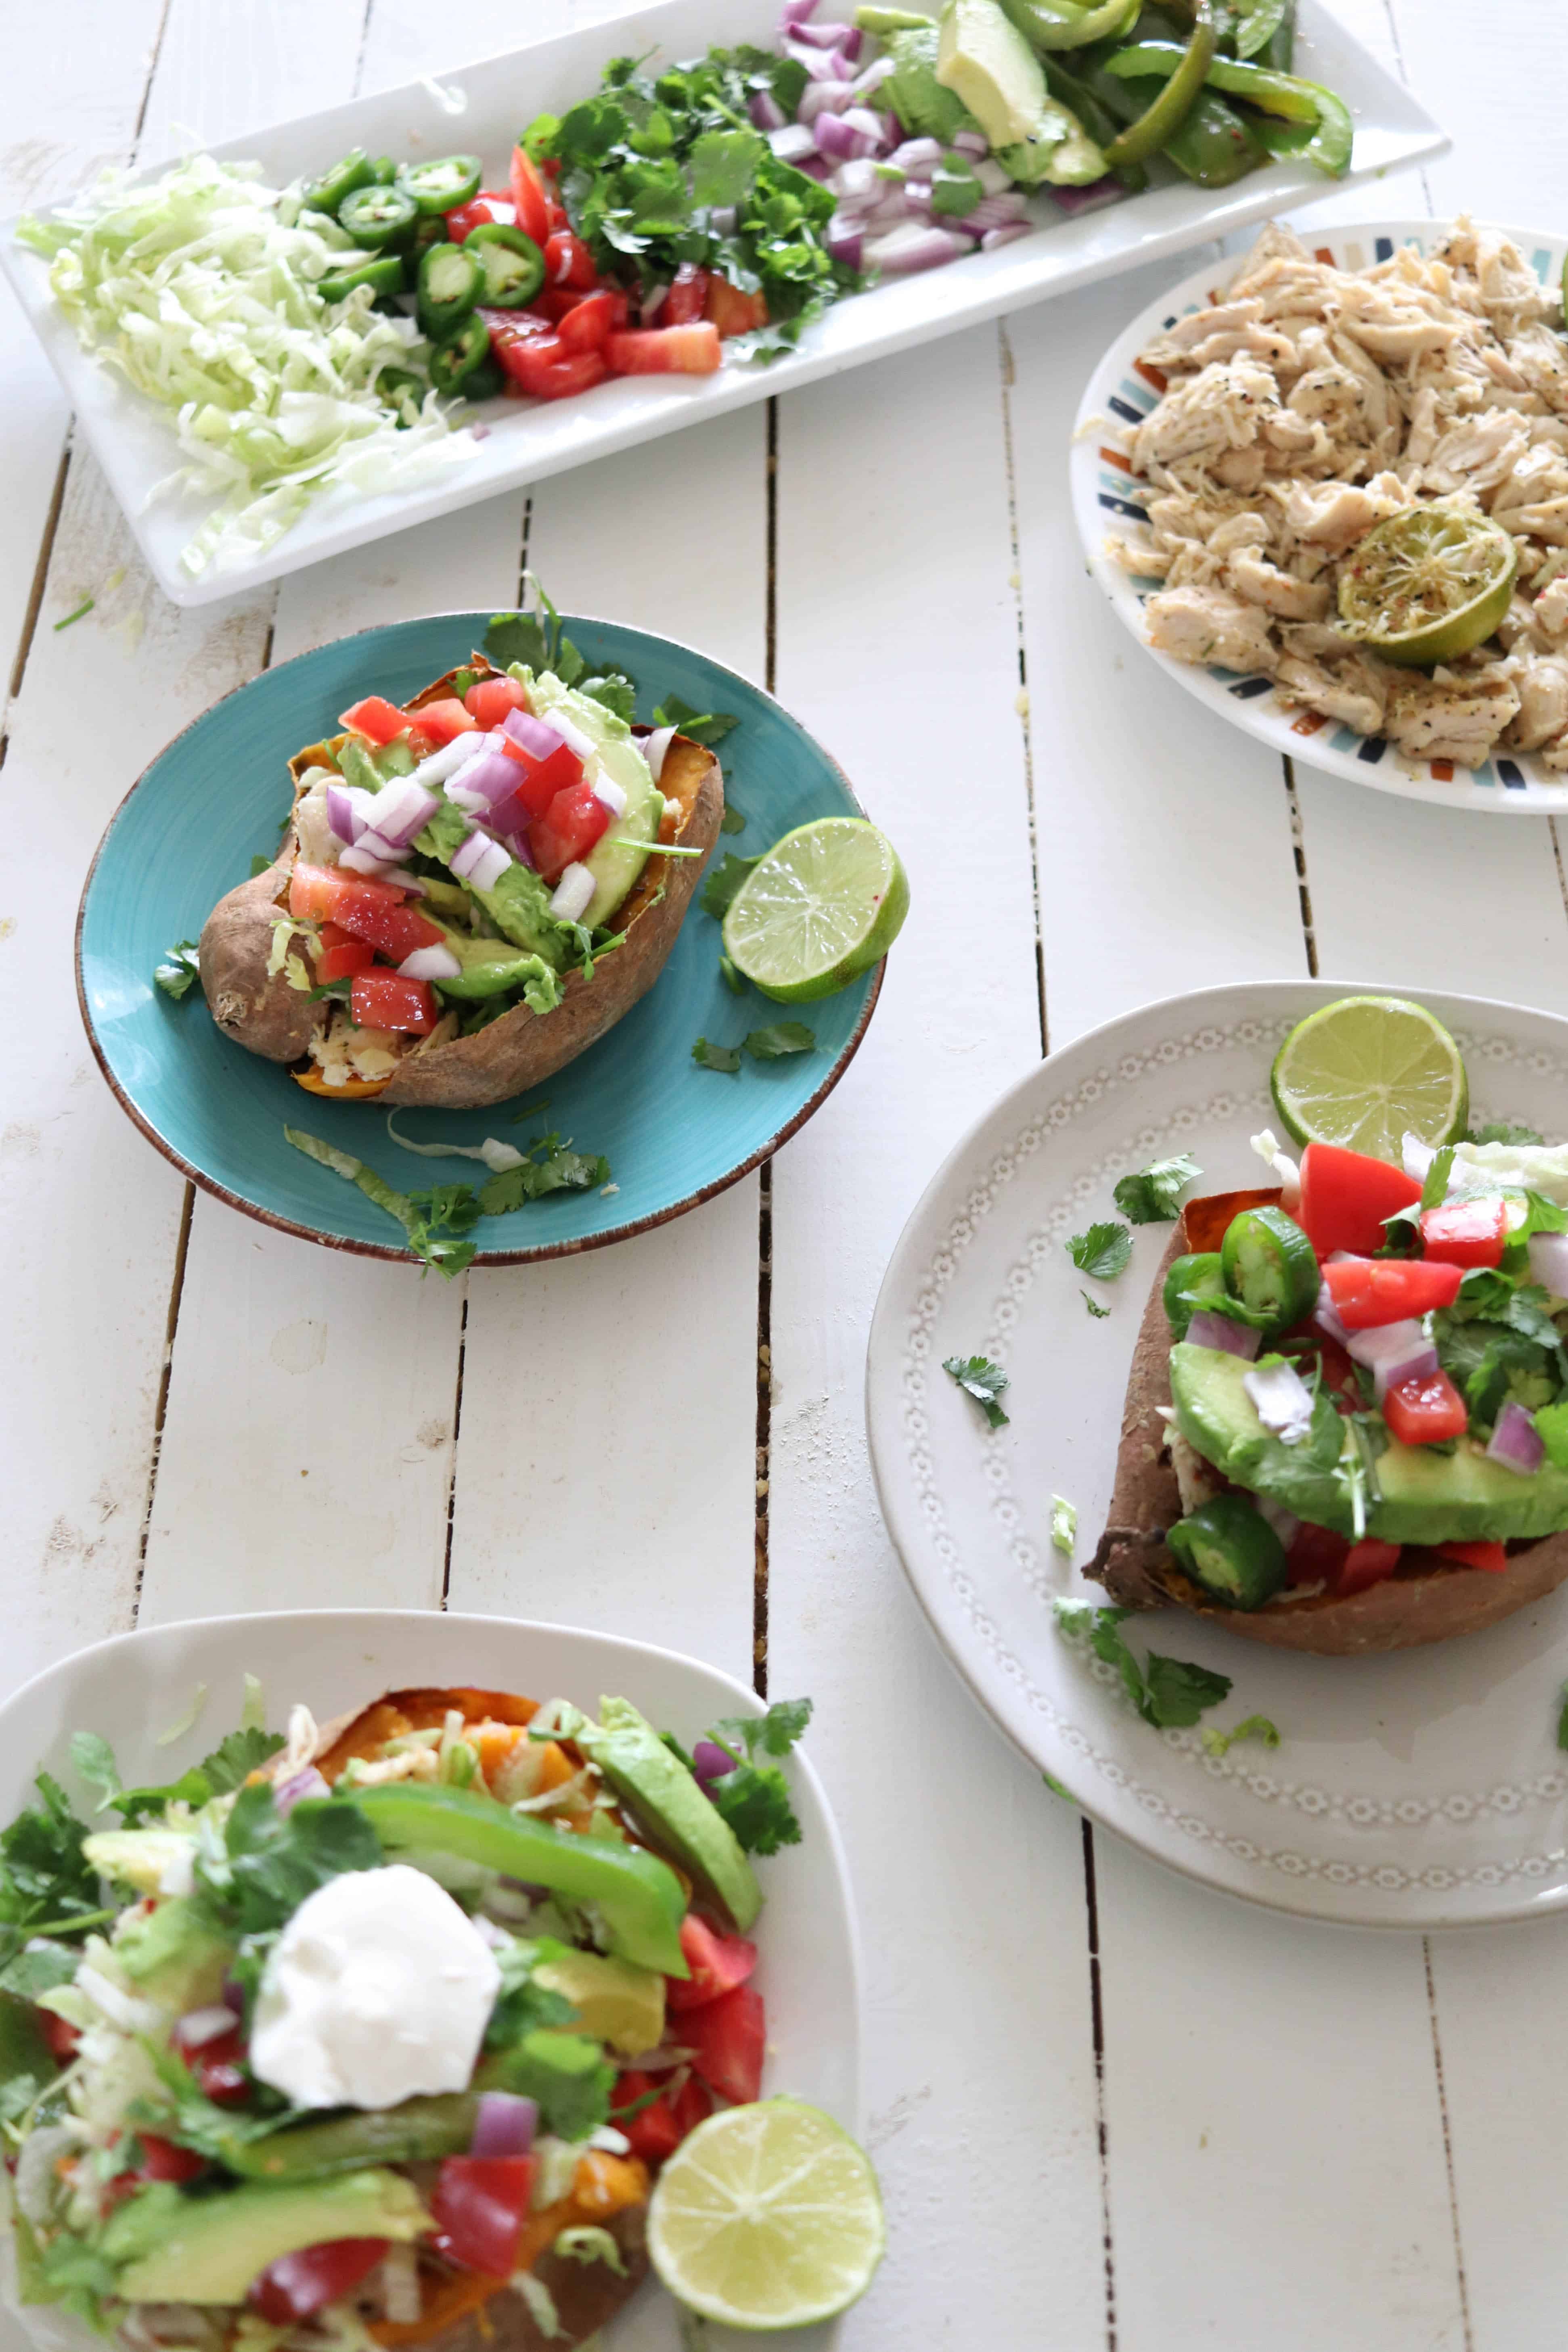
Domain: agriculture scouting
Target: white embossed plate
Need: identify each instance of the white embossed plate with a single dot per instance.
(1421, 1789)
(1107, 498)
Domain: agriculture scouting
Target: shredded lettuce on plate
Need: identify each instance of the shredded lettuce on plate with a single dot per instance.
(199, 287)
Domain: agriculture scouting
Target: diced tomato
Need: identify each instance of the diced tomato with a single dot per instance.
(489, 204)
(556, 772)
(732, 312)
(341, 954)
(488, 700)
(541, 366)
(692, 2104)
(296, 2285)
(123, 2185)
(568, 262)
(1465, 1233)
(666, 351)
(1366, 1564)
(366, 908)
(479, 2206)
(1315, 1555)
(568, 829)
(421, 743)
(1491, 1556)
(1346, 1195)
(62, 2037)
(1367, 1291)
(553, 303)
(441, 720)
(389, 1000)
(687, 295)
(516, 326)
(1426, 1410)
(162, 2160)
(718, 1964)
(530, 198)
(218, 2066)
(559, 217)
(585, 325)
(727, 2035)
(377, 720)
(653, 2131)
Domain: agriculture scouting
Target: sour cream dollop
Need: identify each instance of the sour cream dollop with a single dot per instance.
(378, 1989)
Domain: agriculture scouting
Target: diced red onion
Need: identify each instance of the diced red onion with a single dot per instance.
(504, 2125)
(857, 180)
(1549, 1262)
(486, 780)
(917, 198)
(572, 736)
(1209, 1329)
(518, 844)
(1326, 1316)
(972, 143)
(993, 211)
(371, 843)
(340, 814)
(992, 178)
(1007, 234)
(535, 735)
(830, 36)
(572, 894)
(1108, 191)
(1393, 1353)
(612, 795)
(1285, 1524)
(891, 212)
(824, 98)
(844, 241)
(1516, 1442)
(793, 143)
(1283, 1401)
(844, 136)
(1416, 1158)
(766, 113)
(468, 855)
(450, 759)
(917, 155)
(722, 220)
(285, 1794)
(821, 64)
(360, 860)
(655, 749)
(815, 167)
(709, 1761)
(402, 809)
(893, 132)
(436, 963)
(199, 2025)
(793, 15)
(912, 248)
(233, 1992)
(875, 75)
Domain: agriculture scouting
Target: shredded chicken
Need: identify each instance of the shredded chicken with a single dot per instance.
(1310, 403)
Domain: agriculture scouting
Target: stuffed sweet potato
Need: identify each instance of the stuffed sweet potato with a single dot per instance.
(1329, 1534)
(481, 901)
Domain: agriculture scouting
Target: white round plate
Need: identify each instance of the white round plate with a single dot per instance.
(1420, 1790)
(1105, 494)
(128, 1689)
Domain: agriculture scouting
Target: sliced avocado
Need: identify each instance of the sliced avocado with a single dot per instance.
(182, 2249)
(567, 2073)
(137, 1857)
(985, 60)
(618, 857)
(518, 906)
(614, 1999)
(637, 1765)
(492, 966)
(914, 93)
(176, 1961)
(1414, 1496)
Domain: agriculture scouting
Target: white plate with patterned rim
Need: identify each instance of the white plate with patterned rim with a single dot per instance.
(1104, 491)
(1419, 1789)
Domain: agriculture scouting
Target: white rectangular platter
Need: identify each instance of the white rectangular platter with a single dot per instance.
(482, 107)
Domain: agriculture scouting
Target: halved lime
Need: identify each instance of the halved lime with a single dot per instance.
(1427, 585)
(1368, 1070)
(824, 904)
(767, 2216)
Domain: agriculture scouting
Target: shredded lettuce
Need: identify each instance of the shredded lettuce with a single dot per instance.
(199, 289)
(186, 1722)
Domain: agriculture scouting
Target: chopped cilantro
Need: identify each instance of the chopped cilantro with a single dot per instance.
(1502, 1130)
(1103, 1252)
(708, 727)
(732, 820)
(1099, 1313)
(551, 1166)
(716, 1057)
(1168, 1692)
(723, 880)
(1435, 1186)
(538, 641)
(440, 1222)
(754, 1798)
(1252, 1727)
(45, 1887)
(226, 1768)
(982, 1379)
(1153, 1195)
(779, 1038)
(268, 1862)
(258, 865)
(179, 968)
(1063, 1525)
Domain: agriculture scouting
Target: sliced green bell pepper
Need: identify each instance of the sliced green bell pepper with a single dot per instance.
(1325, 117)
(1060, 25)
(385, 274)
(1165, 114)
(638, 1898)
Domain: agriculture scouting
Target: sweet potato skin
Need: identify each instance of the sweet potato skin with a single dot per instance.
(268, 1016)
(587, 2296)
(1139, 1571)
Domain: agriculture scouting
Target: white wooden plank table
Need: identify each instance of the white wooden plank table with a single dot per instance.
(1107, 2108)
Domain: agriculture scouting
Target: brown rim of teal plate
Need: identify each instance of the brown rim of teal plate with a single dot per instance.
(574, 1248)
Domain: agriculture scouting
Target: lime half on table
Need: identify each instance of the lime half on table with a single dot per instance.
(824, 904)
(767, 2216)
(1427, 585)
(1366, 1071)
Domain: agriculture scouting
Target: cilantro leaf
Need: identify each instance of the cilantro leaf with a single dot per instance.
(1168, 1692)
(270, 1863)
(779, 1038)
(1103, 1251)
(1502, 1130)
(192, 2119)
(723, 880)
(708, 727)
(226, 1768)
(1153, 1195)
(521, 2005)
(773, 1733)
(754, 1798)
(724, 164)
(716, 1057)
(982, 1379)
(1099, 1313)
(551, 1166)
(1063, 1525)
(1253, 1726)
(614, 691)
(1435, 1186)
(732, 820)
(258, 865)
(43, 1877)
(179, 969)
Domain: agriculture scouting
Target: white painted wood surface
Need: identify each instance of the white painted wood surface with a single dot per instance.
(1108, 2109)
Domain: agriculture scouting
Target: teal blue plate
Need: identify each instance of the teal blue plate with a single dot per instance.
(674, 1134)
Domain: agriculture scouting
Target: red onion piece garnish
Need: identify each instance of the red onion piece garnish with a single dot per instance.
(709, 1761)
(286, 1794)
(1515, 1442)
(504, 2125)
(1211, 1329)
(1549, 1262)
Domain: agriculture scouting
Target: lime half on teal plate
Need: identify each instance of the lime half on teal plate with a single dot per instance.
(674, 1133)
